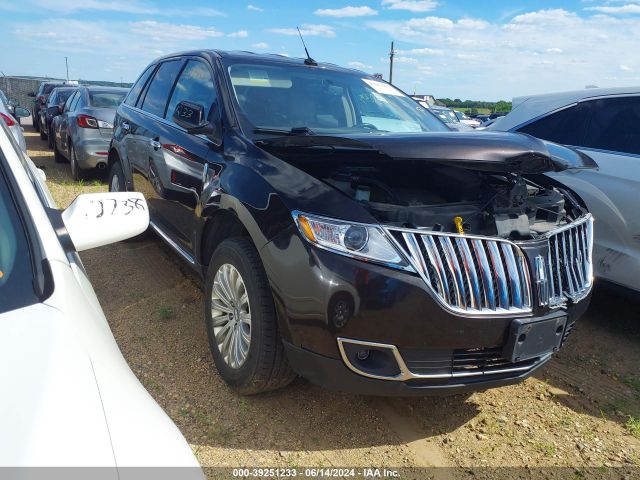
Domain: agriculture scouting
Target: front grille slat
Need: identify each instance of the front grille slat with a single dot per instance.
(485, 274)
(514, 276)
(456, 271)
(436, 262)
(471, 274)
(501, 277)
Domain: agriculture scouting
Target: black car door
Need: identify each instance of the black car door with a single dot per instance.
(178, 159)
(143, 124)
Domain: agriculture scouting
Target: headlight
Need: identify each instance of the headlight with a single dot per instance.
(365, 242)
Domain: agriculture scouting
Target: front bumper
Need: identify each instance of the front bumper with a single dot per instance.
(334, 375)
(322, 297)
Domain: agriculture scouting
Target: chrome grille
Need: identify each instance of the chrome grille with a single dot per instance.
(567, 272)
(469, 274)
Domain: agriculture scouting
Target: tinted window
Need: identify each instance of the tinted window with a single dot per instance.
(134, 93)
(155, 100)
(565, 126)
(282, 97)
(615, 125)
(74, 103)
(106, 99)
(16, 276)
(70, 100)
(194, 85)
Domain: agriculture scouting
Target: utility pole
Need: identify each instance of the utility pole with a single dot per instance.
(66, 62)
(391, 54)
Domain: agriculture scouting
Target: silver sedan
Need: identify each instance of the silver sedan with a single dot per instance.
(83, 131)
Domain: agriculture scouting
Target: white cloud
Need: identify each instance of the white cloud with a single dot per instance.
(260, 45)
(253, 8)
(122, 6)
(170, 31)
(239, 34)
(346, 12)
(421, 51)
(359, 65)
(411, 5)
(535, 51)
(308, 30)
(629, 8)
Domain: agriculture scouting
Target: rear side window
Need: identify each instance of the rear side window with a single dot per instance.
(157, 96)
(70, 100)
(16, 275)
(134, 93)
(615, 125)
(74, 103)
(105, 99)
(566, 126)
(194, 85)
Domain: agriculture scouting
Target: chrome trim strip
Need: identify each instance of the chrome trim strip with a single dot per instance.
(434, 258)
(514, 276)
(487, 281)
(454, 268)
(501, 277)
(470, 272)
(406, 374)
(181, 251)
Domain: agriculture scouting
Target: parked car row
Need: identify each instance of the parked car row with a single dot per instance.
(78, 123)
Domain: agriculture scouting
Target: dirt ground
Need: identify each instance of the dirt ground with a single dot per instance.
(582, 410)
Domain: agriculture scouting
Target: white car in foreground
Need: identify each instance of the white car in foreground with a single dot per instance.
(68, 397)
(8, 116)
(604, 123)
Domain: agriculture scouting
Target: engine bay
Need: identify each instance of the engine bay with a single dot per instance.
(420, 194)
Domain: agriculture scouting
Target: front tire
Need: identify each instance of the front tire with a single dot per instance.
(36, 124)
(42, 134)
(57, 156)
(50, 139)
(241, 321)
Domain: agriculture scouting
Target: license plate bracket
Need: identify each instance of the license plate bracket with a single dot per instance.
(534, 338)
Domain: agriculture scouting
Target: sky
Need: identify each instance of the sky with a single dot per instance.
(467, 49)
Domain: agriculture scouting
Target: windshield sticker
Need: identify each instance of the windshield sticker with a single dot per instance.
(382, 87)
(259, 76)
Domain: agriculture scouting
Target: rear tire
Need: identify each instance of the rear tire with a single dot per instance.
(117, 183)
(36, 125)
(42, 134)
(50, 139)
(265, 366)
(57, 156)
(77, 172)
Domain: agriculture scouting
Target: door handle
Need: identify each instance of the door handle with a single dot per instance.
(126, 127)
(155, 144)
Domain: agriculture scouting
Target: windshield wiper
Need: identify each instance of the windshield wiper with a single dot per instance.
(293, 132)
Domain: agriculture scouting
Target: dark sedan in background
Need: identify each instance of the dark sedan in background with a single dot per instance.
(81, 134)
(40, 100)
(54, 107)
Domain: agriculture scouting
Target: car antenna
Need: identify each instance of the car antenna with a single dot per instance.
(308, 60)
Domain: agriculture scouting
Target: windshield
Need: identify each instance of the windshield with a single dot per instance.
(16, 275)
(447, 116)
(280, 98)
(106, 99)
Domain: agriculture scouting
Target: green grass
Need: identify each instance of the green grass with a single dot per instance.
(166, 313)
(548, 449)
(633, 425)
(631, 382)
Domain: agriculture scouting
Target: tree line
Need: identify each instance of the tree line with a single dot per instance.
(474, 105)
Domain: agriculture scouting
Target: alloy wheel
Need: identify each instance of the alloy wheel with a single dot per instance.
(231, 315)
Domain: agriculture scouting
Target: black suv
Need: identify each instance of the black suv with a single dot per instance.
(40, 100)
(345, 234)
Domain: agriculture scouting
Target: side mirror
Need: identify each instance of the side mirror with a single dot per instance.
(21, 112)
(193, 118)
(96, 219)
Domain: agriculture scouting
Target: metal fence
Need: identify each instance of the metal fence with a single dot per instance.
(18, 88)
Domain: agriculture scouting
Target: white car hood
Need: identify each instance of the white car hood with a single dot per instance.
(50, 412)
